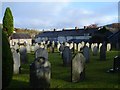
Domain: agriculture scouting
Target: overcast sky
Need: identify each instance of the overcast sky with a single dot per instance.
(59, 15)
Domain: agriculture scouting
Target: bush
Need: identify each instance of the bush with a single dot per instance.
(7, 62)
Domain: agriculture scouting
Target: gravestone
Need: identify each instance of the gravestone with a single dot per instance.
(80, 46)
(23, 54)
(116, 65)
(58, 46)
(16, 46)
(16, 60)
(41, 52)
(61, 48)
(40, 73)
(87, 44)
(75, 47)
(71, 45)
(108, 47)
(86, 54)
(67, 56)
(28, 48)
(78, 68)
(92, 45)
(103, 52)
(36, 47)
(51, 49)
(95, 50)
(100, 46)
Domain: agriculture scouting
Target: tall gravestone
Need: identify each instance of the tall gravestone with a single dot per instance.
(78, 68)
(16, 59)
(23, 54)
(41, 52)
(86, 54)
(40, 73)
(67, 56)
(103, 52)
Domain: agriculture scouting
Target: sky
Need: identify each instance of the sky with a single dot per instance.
(59, 15)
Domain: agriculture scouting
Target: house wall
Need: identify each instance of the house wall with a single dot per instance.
(29, 41)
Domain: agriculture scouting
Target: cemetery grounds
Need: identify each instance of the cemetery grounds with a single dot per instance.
(96, 73)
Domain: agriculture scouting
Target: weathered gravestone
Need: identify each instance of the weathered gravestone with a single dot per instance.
(67, 56)
(86, 54)
(23, 54)
(40, 73)
(103, 52)
(41, 52)
(95, 50)
(78, 68)
(16, 59)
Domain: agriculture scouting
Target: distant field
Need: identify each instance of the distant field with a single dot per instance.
(96, 75)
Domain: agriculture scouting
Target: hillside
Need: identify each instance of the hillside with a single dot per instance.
(32, 33)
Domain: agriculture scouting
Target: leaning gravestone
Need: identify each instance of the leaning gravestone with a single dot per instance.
(41, 52)
(103, 52)
(23, 54)
(78, 68)
(95, 50)
(67, 56)
(40, 73)
(16, 59)
(86, 54)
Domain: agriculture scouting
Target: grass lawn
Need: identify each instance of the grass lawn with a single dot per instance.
(96, 75)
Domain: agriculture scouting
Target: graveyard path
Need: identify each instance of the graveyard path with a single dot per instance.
(96, 75)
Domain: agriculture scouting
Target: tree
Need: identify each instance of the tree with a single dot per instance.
(7, 62)
(8, 26)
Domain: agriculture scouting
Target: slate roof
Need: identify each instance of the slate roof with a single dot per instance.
(20, 36)
(70, 32)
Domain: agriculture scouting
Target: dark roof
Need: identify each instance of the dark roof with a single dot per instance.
(20, 36)
(71, 32)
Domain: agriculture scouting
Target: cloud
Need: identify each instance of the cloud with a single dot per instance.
(41, 15)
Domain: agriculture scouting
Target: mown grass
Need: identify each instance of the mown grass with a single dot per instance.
(96, 75)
